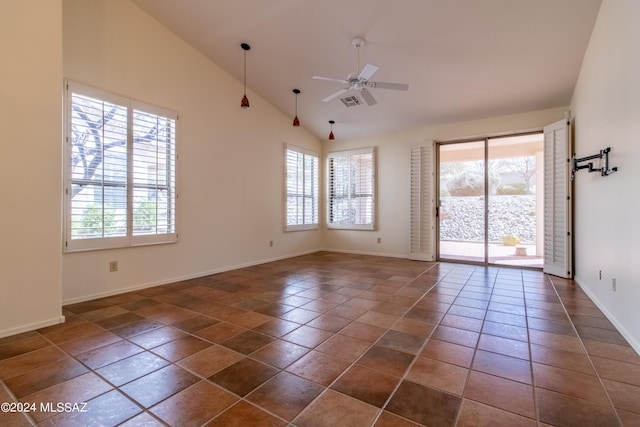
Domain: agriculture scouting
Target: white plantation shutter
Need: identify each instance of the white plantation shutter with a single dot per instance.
(422, 204)
(351, 189)
(557, 200)
(301, 188)
(120, 159)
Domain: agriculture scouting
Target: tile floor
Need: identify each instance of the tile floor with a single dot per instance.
(329, 340)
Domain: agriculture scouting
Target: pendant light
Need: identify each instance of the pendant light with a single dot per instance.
(296, 122)
(331, 137)
(245, 101)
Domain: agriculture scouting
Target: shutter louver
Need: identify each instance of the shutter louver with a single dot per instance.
(557, 203)
(351, 189)
(302, 195)
(422, 221)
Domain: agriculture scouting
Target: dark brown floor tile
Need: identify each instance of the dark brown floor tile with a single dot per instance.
(285, 395)
(280, 353)
(336, 409)
(599, 334)
(571, 383)
(623, 353)
(438, 375)
(368, 385)
(424, 405)
(137, 327)
(364, 331)
(319, 367)
(108, 354)
(157, 337)
(578, 362)
(594, 322)
(79, 389)
(561, 410)
(209, 361)
(506, 346)
(158, 385)
(243, 376)
(456, 336)
(25, 362)
(247, 342)
(194, 405)
(133, 367)
(387, 419)
(508, 318)
(329, 323)
(143, 419)
(563, 327)
(506, 331)
(618, 371)
(557, 341)
(220, 332)
(507, 308)
(624, 396)
(474, 414)
(503, 366)
(448, 352)
(86, 306)
(45, 376)
(276, 327)
(344, 347)
(24, 344)
(389, 361)
(401, 341)
(181, 348)
(195, 323)
(299, 315)
(307, 336)
(244, 414)
(462, 322)
(82, 345)
(501, 393)
(108, 409)
(348, 312)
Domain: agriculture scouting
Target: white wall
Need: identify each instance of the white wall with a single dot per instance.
(393, 176)
(606, 105)
(30, 112)
(231, 160)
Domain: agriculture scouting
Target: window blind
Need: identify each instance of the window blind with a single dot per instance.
(301, 184)
(351, 189)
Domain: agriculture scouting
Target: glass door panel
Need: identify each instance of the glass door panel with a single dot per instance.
(515, 200)
(462, 209)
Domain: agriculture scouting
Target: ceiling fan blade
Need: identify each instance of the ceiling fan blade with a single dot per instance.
(386, 85)
(367, 72)
(330, 79)
(334, 95)
(368, 98)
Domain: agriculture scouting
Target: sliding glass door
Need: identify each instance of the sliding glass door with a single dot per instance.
(491, 205)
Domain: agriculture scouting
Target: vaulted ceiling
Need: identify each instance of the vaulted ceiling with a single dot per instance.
(462, 59)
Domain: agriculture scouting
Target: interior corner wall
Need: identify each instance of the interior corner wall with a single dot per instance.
(231, 165)
(30, 119)
(606, 109)
(393, 176)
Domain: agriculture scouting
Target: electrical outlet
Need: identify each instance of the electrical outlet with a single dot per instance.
(613, 284)
(113, 266)
(270, 243)
(600, 274)
(379, 239)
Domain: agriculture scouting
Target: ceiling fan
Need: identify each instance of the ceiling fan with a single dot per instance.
(361, 83)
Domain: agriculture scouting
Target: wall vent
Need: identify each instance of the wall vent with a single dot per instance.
(351, 101)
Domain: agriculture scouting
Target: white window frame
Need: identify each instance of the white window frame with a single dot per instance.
(301, 188)
(164, 228)
(362, 187)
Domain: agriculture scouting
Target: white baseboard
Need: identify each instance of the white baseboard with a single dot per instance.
(176, 279)
(623, 331)
(31, 326)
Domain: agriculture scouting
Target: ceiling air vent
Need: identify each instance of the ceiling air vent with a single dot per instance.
(351, 101)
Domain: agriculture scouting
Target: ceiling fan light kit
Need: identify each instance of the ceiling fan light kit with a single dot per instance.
(331, 136)
(244, 103)
(360, 83)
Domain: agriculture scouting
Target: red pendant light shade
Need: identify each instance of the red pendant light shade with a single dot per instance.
(331, 137)
(245, 101)
(296, 122)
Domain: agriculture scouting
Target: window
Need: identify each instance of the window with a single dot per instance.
(301, 188)
(351, 189)
(120, 171)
